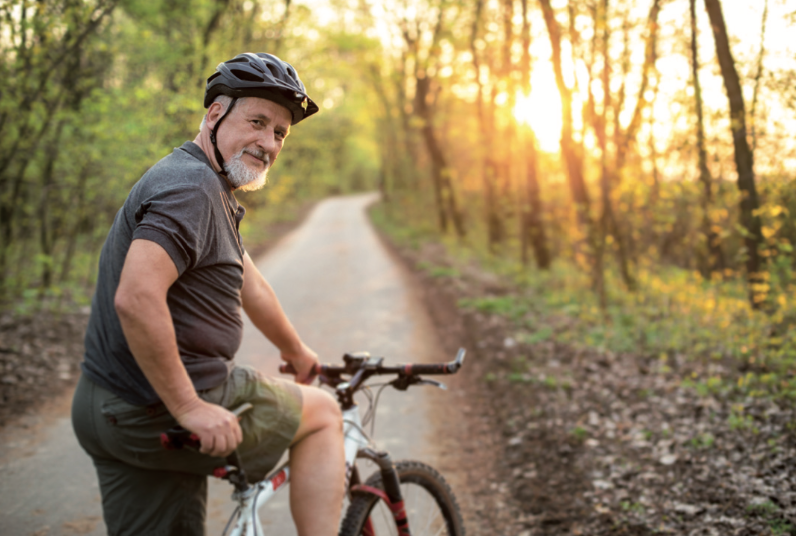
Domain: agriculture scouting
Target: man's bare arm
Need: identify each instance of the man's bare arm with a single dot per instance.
(262, 306)
(140, 302)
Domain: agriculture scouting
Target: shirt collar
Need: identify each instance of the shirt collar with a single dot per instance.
(194, 150)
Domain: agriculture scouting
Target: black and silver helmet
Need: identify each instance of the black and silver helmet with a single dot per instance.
(261, 75)
(257, 75)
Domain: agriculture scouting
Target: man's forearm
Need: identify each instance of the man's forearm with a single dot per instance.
(266, 313)
(264, 310)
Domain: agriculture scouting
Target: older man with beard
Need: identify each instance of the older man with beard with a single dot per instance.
(166, 322)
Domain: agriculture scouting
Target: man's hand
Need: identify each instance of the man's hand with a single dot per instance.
(303, 360)
(217, 427)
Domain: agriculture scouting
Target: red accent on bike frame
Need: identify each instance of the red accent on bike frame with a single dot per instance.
(220, 472)
(278, 479)
(399, 513)
(408, 369)
(397, 509)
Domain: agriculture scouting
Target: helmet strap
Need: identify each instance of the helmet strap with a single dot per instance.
(219, 158)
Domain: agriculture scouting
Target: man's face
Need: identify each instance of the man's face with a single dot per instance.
(250, 139)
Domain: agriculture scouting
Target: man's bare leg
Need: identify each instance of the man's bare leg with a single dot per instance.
(317, 466)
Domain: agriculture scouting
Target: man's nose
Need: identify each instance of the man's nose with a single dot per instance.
(267, 141)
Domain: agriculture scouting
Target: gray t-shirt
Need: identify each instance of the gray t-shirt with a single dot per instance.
(189, 210)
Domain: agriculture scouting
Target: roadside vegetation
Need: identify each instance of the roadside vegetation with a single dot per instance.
(673, 313)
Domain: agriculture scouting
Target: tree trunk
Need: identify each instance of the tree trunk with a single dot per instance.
(573, 161)
(601, 26)
(753, 237)
(73, 234)
(758, 77)
(532, 232)
(629, 135)
(440, 171)
(494, 223)
(712, 259)
(45, 223)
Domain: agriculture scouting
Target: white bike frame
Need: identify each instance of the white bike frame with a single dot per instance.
(251, 500)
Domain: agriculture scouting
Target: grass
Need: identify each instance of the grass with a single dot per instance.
(771, 513)
(580, 434)
(702, 442)
(674, 312)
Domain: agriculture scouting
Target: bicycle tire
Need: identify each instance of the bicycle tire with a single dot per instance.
(440, 516)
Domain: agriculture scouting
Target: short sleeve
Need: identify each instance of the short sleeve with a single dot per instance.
(179, 220)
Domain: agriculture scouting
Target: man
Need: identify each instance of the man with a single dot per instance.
(165, 324)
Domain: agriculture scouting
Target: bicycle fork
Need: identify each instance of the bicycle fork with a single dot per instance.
(391, 495)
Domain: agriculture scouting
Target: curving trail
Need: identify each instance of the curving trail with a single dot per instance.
(343, 292)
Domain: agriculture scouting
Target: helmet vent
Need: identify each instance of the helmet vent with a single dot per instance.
(239, 59)
(291, 73)
(246, 75)
(274, 70)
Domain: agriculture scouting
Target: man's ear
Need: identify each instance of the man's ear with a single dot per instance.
(214, 113)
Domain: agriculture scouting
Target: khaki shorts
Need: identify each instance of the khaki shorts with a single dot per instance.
(147, 490)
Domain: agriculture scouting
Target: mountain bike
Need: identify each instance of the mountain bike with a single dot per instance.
(400, 498)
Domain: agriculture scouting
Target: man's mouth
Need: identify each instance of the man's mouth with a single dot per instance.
(259, 155)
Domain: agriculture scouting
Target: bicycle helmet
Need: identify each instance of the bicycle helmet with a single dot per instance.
(258, 75)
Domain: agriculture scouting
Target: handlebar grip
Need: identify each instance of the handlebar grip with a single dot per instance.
(431, 368)
(287, 368)
(178, 437)
(436, 368)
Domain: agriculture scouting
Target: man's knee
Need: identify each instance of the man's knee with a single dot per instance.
(319, 411)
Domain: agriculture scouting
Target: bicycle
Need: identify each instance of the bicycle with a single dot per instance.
(402, 498)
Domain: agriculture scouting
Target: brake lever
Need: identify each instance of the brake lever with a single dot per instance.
(403, 382)
(434, 383)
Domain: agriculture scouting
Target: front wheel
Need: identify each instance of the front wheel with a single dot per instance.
(430, 505)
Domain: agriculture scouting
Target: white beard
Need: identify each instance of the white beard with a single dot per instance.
(244, 178)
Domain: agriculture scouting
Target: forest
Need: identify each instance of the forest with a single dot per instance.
(606, 188)
(632, 161)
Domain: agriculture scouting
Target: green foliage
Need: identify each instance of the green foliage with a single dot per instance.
(411, 236)
(674, 312)
(738, 420)
(579, 433)
(634, 507)
(772, 514)
(702, 441)
(509, 306)
(437, 271)
(93, 93)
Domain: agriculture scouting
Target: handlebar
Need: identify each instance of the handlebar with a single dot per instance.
(355, 362)
(287, 368)
(361, 366)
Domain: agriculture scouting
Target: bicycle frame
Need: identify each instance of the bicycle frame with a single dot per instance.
(251, 500)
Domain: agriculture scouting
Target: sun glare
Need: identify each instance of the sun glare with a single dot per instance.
(541, 109)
